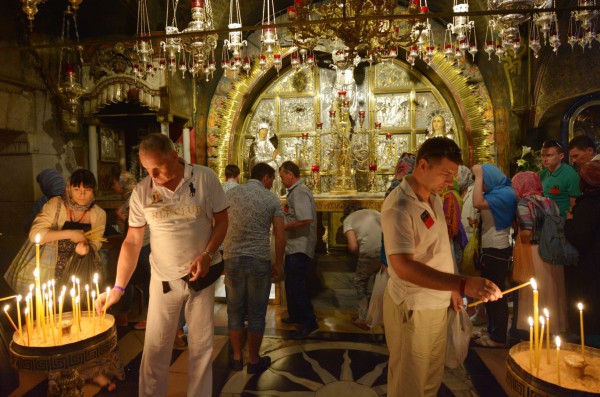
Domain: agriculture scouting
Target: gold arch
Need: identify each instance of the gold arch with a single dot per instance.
(474, 110)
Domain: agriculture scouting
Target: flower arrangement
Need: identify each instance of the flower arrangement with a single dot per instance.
(530, 160)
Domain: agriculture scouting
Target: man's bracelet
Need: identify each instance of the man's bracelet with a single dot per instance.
(119, 288)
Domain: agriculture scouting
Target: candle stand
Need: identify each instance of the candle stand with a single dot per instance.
(64, 358)
(524, 383)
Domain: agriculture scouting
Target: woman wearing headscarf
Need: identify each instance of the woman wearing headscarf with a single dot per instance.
(52, 184)
(452, 204)
(77, 213)
(531, 210)
(496, 200)
(582, 229)
(404, 166)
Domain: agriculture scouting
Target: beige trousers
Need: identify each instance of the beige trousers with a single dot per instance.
(416, 340)
(161, 327)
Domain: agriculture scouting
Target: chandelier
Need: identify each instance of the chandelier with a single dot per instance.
(29, 7)
(70, 66)
(200, 46)
(583, 25)
(270, 48)
(505, 27)
(464, 29)
(171, 48)
(238, 60)
(143, 48)
(356, 39)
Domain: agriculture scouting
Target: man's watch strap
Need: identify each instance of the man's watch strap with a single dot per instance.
(207, 252)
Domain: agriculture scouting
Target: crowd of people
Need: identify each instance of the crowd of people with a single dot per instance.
(198, 229)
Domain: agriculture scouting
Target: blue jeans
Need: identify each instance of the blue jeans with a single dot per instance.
(300, 307)
(247, 285)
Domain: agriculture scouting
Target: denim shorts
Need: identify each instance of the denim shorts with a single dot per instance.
(247, 284)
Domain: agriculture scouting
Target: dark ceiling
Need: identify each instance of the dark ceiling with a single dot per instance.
(113, 18)
(117, 19)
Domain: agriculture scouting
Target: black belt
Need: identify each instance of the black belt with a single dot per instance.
(214, 272)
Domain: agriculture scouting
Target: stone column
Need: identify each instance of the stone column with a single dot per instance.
(164, 128)
(186, 145)
(93, 149)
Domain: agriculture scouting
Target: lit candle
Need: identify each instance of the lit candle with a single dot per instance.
(76, 311)
(61, 301)
(52, 327)
(73, 307)
(503, 293)
(536, 321)
(558, 359)
(87, 292)
(19, 313)
(94, 313)
(27, 326)
(580, 307)
(96, 282)
(105, 305)
(54, 296)
(531, 345)
(547, 314)
(10, 319)
(543, 322)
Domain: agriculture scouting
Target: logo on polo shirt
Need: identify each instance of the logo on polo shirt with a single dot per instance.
(554, 189)
(156, 197)
(427, 219)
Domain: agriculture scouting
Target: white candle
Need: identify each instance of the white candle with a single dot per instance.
(531, 344)
(547, 314)
(558, 359)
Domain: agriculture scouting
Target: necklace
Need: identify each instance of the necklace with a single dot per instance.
(80, 218)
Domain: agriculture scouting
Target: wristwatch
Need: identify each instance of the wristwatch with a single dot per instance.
(208, 254)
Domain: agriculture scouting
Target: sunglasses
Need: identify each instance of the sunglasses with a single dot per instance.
(551, 143)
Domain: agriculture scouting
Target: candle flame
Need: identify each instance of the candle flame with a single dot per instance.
(73, 279)
(96, 277)
(31, 285)
(87, 287)
(533, 284)
(6, 308)
(19, 298)
(64, 289)
(557, 340)
(94, 295)
(531, 321)
(580, 306)
(72, 292)
(37, 238)
(542, 320)
(77, 281)
(26, 310)
(36, 274)
(546, 313)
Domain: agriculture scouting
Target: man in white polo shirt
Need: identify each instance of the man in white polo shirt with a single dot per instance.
(179, 202)
(422, 285)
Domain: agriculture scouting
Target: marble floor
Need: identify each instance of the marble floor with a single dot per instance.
(338, 359)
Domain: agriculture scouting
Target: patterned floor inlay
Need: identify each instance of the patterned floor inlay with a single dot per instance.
(317, 369)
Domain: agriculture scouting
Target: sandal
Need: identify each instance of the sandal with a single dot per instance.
(489, 343)
(482, 333)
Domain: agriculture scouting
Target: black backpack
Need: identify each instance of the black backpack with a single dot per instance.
(554, 248)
